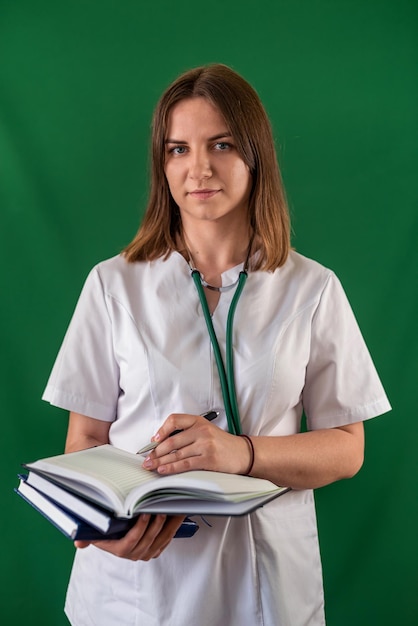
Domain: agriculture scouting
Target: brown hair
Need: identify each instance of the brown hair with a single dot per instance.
(249, 125)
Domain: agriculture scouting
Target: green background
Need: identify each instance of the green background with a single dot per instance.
(78, 83)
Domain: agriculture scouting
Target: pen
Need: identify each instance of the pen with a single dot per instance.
(209, 415)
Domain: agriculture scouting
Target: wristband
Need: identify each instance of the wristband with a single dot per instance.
(251, 446)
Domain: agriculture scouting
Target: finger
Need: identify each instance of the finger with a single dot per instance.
(175, 421)
(174, 442)
(162, 453)
(81, 544)
(180, 461)
(174, 453)
(121, 547)
(136, 544)
(149, 543)
(160, 533)
(172, 524)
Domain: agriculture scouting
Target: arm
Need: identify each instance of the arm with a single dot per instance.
(302, 461)
(85, 432)
(310, 460)
(150, 535)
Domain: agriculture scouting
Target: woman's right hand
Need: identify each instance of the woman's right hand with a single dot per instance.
(146, 540)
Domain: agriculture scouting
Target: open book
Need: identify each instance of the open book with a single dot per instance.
(113, 480)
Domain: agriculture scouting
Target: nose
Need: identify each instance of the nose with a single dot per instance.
(200, 166)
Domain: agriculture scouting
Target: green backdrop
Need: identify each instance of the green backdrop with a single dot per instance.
(78, 83)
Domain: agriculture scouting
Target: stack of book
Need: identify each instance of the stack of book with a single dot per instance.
(98, 493)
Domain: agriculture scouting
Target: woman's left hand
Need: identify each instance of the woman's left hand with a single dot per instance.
(200, 446)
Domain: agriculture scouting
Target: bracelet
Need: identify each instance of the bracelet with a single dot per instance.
(251, 446)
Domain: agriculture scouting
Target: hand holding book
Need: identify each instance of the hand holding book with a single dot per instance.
(147, 538)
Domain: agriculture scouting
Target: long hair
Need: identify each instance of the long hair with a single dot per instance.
(249, 125)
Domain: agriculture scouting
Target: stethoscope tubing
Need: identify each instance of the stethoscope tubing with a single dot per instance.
(230, 353)
(227, 378)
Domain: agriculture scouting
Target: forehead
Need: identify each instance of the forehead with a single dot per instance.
(195, 116)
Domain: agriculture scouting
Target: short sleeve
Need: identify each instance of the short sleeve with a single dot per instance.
(85, 376)
(342, 385)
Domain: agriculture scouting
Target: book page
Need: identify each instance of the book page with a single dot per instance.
(109, 470)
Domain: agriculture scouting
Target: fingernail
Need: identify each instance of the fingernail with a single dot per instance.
(147, 462)
(162, 469)
(156, 437)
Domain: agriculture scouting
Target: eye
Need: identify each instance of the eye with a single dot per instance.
(177, 150)
(222, 145)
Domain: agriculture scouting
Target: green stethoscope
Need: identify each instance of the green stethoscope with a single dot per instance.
(226, 376)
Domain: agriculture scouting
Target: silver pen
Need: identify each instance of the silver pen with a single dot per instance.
(210, 415)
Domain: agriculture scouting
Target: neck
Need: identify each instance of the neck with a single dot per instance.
(213, 252)
(211, 278)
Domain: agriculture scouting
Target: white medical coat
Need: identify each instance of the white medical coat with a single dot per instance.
(137, 349)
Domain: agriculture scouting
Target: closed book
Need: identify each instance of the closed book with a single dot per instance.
(95, 515)
(68, 523)
(76, 528)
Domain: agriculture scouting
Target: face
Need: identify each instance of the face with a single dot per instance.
(208, 179)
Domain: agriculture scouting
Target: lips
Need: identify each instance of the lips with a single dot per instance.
(203, 194)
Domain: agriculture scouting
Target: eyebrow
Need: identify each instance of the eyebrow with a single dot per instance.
(181, 142)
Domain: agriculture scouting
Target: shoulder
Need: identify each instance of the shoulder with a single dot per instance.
(114, 266)
(297, 287)
(111, 267)
(301, 267)
(304, 275)
(117, 270)
(116, 276)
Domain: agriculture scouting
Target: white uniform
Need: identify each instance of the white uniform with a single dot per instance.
(137, 349)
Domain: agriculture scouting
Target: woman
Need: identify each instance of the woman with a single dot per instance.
(137, 363)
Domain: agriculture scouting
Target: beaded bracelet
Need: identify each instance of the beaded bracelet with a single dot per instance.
(251, 446)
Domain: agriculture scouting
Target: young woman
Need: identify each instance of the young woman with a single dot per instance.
(138, 362)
